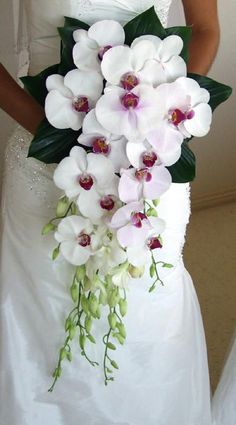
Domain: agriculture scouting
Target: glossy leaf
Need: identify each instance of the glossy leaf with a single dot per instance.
(219, 92)
(36, 85)
(183, 170)
(51, 145)
(145, 23)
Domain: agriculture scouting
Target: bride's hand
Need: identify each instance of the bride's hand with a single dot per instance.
(19, 104)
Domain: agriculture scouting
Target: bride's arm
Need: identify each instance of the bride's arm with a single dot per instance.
(203, 16)
(18, 104)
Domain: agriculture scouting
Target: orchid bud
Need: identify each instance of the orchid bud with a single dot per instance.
(114, 364)
(123, 307)
(72, 332)
(156, 202)
(103, 298)
(80, 273)
(49, 227)
(151, 212)
(88, 323)
(91, 339)
(152, 270)
(120, 339)
(74, 291)
(112, 320)
(55, 252)
(63, 354)
(136, 272)
(85, 304)
(93, 304)
(62, 206)
(82, 339)
(121, 329)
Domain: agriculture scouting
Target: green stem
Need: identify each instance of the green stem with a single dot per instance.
(158, 279)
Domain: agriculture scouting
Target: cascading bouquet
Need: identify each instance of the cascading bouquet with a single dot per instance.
(120, 111)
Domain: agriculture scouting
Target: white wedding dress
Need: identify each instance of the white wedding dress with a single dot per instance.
(163, 375)
(224, 400)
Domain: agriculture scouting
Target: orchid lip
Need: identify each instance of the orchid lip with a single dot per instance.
(149, 159)
(137, 218)
(129, 81)
(83, 239)
(107, 203)
(85, 181)
(81, 104)
(154, 243)
(102, 51)
(130, 100)
(100, 145)
(177, 116)
(143, 174)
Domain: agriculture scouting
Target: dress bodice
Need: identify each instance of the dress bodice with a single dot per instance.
(36, 23)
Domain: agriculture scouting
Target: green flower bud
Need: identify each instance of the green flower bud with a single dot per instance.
(74, 291)
(68, 323)
(62, 206)
(152, 270)
(74, 209)
(82, 339)
(109, 370)
(151, 212)
(85, 303)
(121, 329)
(91, 339)
(80, 273)
(167, 265)
(136, 272)
(98, 313)
(69, 356)
(93, 304)
(111, 346)
(113, 298)
(120, 339)
(112, 320)
(102, 298)
(114, 364)
(87, 284)
(156, 202)
(63, 353)
(49, 227)
(55, 252)
(72, 332)
(88, 323)
(123, 307)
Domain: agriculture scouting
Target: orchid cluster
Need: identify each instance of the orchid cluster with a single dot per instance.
(134, 106)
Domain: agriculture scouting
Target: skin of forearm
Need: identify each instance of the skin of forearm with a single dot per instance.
(19, 104)
(202, 51)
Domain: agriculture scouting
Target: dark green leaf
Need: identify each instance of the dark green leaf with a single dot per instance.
(185, 33)
(145, 23)
(219, 92)
(51, 145)
(36, 85)
(73, 22)
(183, 170)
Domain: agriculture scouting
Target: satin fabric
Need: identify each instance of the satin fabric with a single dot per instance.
(163, 376)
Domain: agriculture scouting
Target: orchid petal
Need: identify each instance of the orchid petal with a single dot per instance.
(199, 125)
(174, 68)
(116, 62)
(107, 33)
(122, 215)
(85, 55)
(160, 183)
(74, 253)
(170, 46)
(101, 167)
(130, 235)
(129, 187)
(91, 125)
(56, 82)
(56, 109)
(84, 83)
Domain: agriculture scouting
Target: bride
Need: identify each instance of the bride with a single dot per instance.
(163, 377)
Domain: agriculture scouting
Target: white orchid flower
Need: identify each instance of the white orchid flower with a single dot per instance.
(91, 45)
(71, 97)
(165, 65)
(140, 255)
(81, 174)
(108, 252)
(74, 235)
(132, 113)
(144, 183)
(103, 142)
(186, 109)
(124, 65)
(159, 147)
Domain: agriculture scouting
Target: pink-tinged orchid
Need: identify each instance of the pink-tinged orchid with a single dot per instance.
(165, 65)
(81, 174)
(159, 147)
(143, 183)
(71, 97)
(123, 65)
(91, 45)
(103, 142)
(74, 235)
(140, 255)
(186, 109)
(129, 113)
(131, 223)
